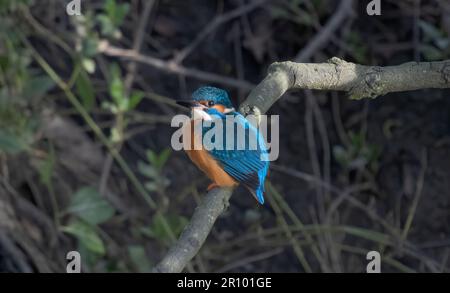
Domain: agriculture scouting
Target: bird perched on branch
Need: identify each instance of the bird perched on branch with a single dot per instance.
(237, 155)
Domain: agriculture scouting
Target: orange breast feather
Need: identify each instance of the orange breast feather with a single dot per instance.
(205, 162)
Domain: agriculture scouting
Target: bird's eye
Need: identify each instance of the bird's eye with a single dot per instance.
(210, 103)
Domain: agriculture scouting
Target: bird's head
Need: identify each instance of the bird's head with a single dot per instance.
(207, 100)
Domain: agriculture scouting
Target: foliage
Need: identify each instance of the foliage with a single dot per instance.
(153, 170)
(88, 210)
(157, 230)
(89, 206)
(112, 17)
(139, 258)
(22, 88)
(87, 236)
(358, 154)
(8, 6)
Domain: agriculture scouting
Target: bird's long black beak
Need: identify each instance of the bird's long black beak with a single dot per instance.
(187, 103)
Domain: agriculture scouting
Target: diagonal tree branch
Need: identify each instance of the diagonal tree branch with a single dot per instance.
(171, 66)
(321, 38)
(195, 233)
(212, 26)
(359, 81)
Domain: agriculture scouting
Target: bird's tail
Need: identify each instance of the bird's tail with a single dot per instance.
(258, 194)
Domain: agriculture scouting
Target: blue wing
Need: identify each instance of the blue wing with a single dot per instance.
(247, 163)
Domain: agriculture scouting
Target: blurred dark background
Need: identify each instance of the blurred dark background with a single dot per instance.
(86, 163)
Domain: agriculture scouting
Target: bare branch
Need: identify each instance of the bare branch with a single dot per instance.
(212, 26)
(359, 81)
(171, 67)
(137, 43)
(195, 233)
(321, 38)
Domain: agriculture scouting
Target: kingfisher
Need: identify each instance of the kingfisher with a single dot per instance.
(225, 166)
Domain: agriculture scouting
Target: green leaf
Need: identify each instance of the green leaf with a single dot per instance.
(37, 86)
(11, 143)
(135, 99)
(87, 236)
(139, 258)
(116, 12)
(152, 186)
(89, 47)
(115, 135)
(152, 157)
(85, 90)
(88, 258)
(158, 231)
(162, 158)
(110, 7)
(122, 11)
(116, 87)
(90, 206)
(148, 170)
(106, 25)
(88, 65)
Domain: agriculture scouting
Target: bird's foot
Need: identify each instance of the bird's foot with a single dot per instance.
(212, 186)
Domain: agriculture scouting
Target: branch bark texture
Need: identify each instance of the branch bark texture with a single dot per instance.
(359, 81)
(195, 233)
